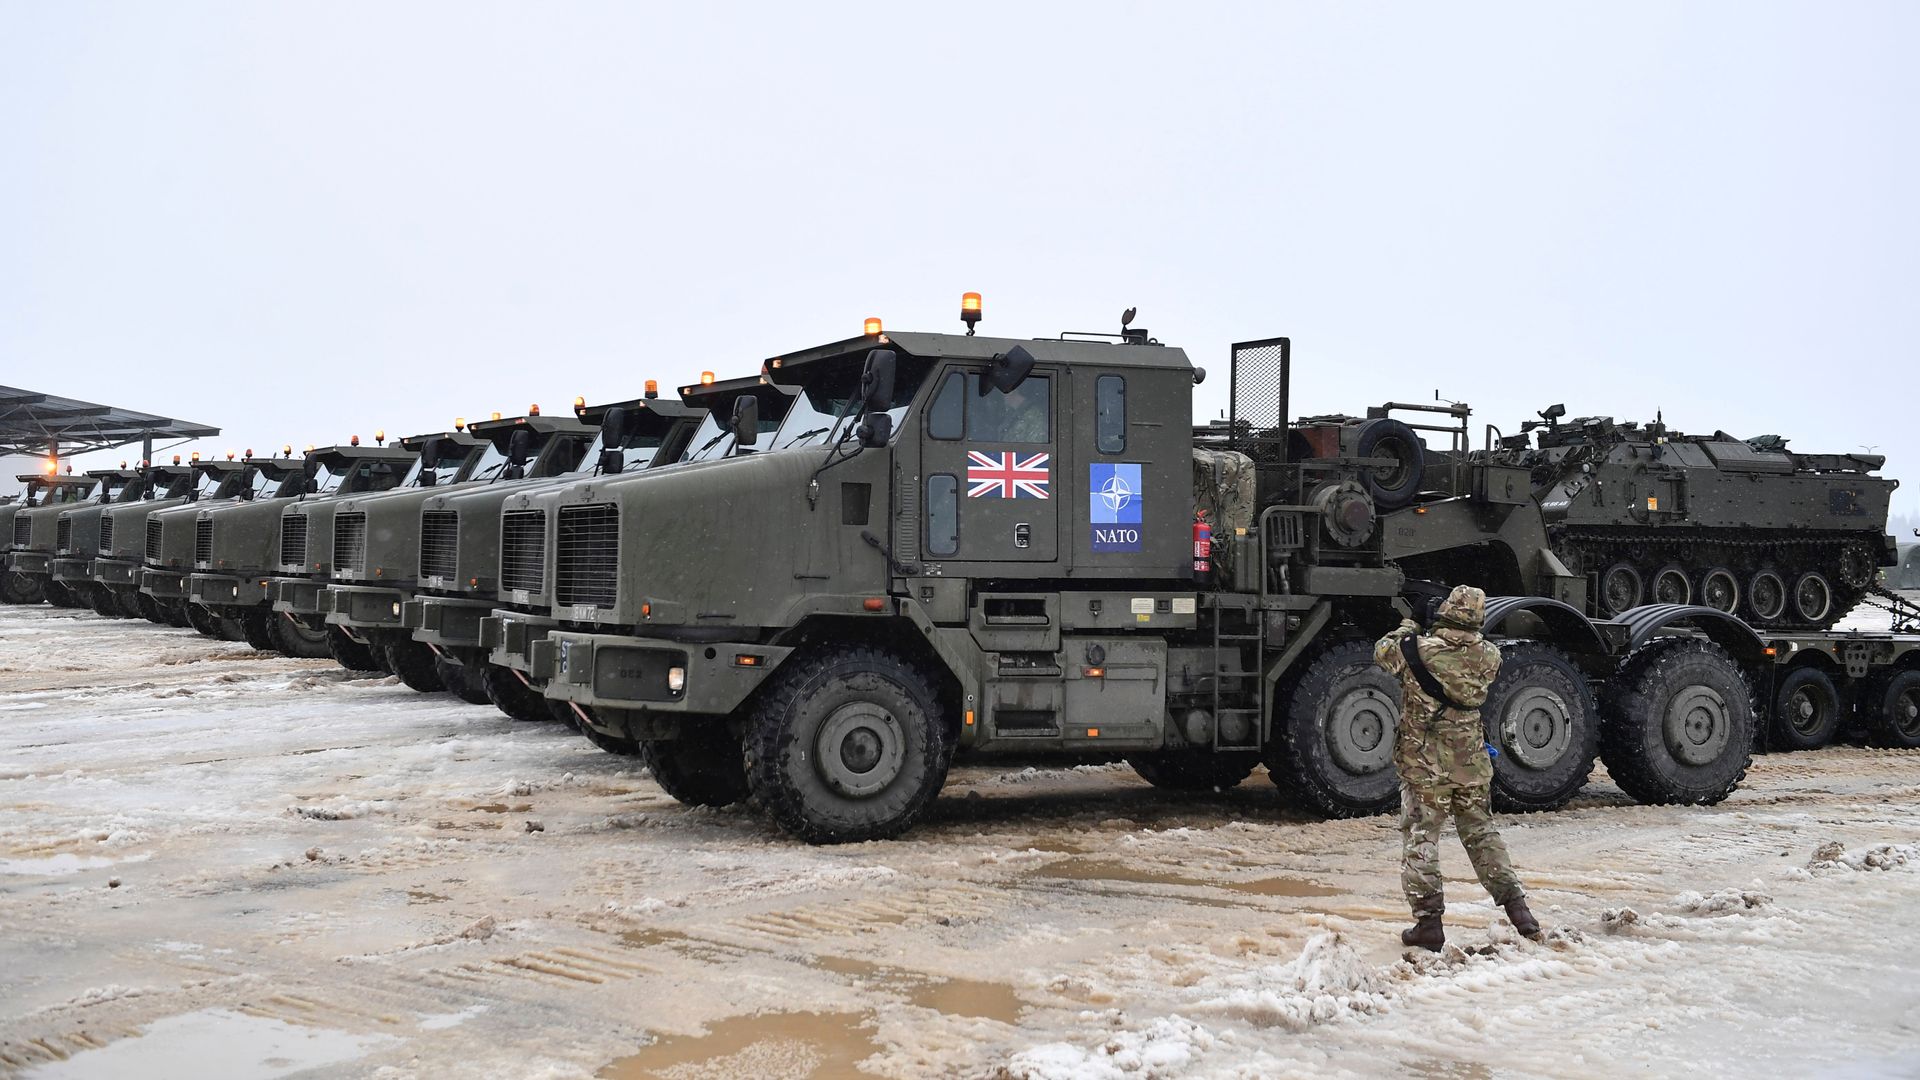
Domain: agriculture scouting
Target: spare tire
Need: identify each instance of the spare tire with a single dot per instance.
(1394, 486)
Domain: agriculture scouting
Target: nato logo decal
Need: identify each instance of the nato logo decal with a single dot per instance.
(1114, 496)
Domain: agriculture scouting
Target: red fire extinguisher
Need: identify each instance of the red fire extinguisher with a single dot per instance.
(1202, 545)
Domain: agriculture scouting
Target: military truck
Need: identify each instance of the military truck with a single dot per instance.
(125, 539)
(77, 535)
(35, 536)
(377, 544)
(1652, 515)
(234, 544)
(305, 557)
(461, 571)
(172, 537)
(719, 414)
(39, 490)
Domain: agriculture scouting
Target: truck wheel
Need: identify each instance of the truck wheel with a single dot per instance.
(1392, 486)
(1541, 716)
(129, 601)
(176, 613)
(1806, 710)
(414, 663)
(257, 625)
(1333, 748)
(203, 621)
(57, 594)
(1890, 705)
(349, 653)
(1678, 723)
(149, 609)
(704, 767)
(511, 696)
(105, 603)
(1193, 769)
(564, 712)
(459, 681)
(293, 638)
(848, 744)
(21, 589)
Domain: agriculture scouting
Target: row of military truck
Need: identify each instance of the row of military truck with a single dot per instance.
(814, 586)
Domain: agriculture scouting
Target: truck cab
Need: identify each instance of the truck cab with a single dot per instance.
(123, 536)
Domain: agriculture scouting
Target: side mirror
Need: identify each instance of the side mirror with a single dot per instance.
(1008, 370)
(518, 446)
(746, 420)
(876, 430)
(876, 381)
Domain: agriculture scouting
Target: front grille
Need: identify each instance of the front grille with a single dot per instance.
(293, 540)
(350, 543)
(523, 550)
(203, 542)
(22, 531)
(106, 535)
(588, 556)
(63, 535)
(153, 542)
(439, 543)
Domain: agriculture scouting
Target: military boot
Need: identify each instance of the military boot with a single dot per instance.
(1426, 933)
(1521, 918)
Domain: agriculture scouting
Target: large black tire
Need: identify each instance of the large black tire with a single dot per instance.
(414, 663)
(175, 612)
(128, 602)
(459, 682)
(1677, 723)
(1391, 487)
(1332, 750)
(848, 744)
(57, 594)
(1198, 769)
(1890, 706)
(257, 625)
(150, 609)
(104, 602)
(292, 638)
(349, 653)
(704, 767)
(13, 587)
(1542, 718)
(512, 696)
(563, 711)
(205, 622)
(1806, 711)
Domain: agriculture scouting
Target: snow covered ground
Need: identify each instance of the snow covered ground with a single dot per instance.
(215, 862)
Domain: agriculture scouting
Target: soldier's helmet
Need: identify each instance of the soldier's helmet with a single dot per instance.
(1465, 609)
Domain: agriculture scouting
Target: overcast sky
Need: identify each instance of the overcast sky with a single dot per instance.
(302, 221)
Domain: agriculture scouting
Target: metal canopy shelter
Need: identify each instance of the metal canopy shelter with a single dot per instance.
(35, 423)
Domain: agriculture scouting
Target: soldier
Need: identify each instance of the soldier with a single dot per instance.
(1444, 764)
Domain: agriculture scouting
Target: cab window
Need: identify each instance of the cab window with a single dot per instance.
(1110, 414)
(1023, 415)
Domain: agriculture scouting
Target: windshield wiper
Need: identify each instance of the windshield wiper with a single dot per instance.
(805, 435)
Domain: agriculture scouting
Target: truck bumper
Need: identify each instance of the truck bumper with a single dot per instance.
(29, 562)
(72, 570)
(117, 573)
(299, 596)
(518, 640)
(163, 584)
(445, 622)
(364, 607)
(622, 672)
(227, 590)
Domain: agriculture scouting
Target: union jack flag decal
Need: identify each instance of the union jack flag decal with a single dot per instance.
(1007, 476)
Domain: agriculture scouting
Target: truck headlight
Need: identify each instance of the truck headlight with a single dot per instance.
(396, 609)
(676, 679)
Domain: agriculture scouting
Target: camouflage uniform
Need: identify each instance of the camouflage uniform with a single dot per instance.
(1441, 754)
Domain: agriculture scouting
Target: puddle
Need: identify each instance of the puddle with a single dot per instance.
(955, 997)
(53, 865)
(1107, 870)
(503, 808)
(215, 1042)
(421, 896)
(651, 936)
(1057, 845)
(442, 1021)
(772, 1046)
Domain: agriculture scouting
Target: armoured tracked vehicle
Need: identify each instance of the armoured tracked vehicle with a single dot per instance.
(234, 544)
(36, 536)
(1651, 515)
(377, 543)
(77, 537)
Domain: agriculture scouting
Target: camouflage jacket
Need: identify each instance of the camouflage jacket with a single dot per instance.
(1435, 746)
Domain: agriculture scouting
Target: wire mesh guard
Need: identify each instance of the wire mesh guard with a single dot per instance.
(439, 543)
(350, 543)
(588, 559)
(154, 537)
(523, 550)
(1262, 372)
(293, 540)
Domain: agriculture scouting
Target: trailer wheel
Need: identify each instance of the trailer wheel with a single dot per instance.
(704, 767)
(1333, 749)
(848, 744)
(349, 653)
(1891, 708)
(293, 638)
(1678, 723)
(511, 696)
(1542, 717)
(257, 625)
(414, 663)
(458, 681)
(1198, 769)
(1806, 710)
(1392, 486)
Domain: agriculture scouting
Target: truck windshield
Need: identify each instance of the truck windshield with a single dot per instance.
(637, 450)
(709, 441)
(132, 492)
(830, 397)
(493, 461)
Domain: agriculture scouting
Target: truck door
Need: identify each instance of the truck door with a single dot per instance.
(990, 470)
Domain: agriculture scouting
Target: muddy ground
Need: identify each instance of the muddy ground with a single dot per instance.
(217, 862)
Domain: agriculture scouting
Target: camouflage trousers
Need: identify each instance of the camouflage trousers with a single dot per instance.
(1423, 813)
